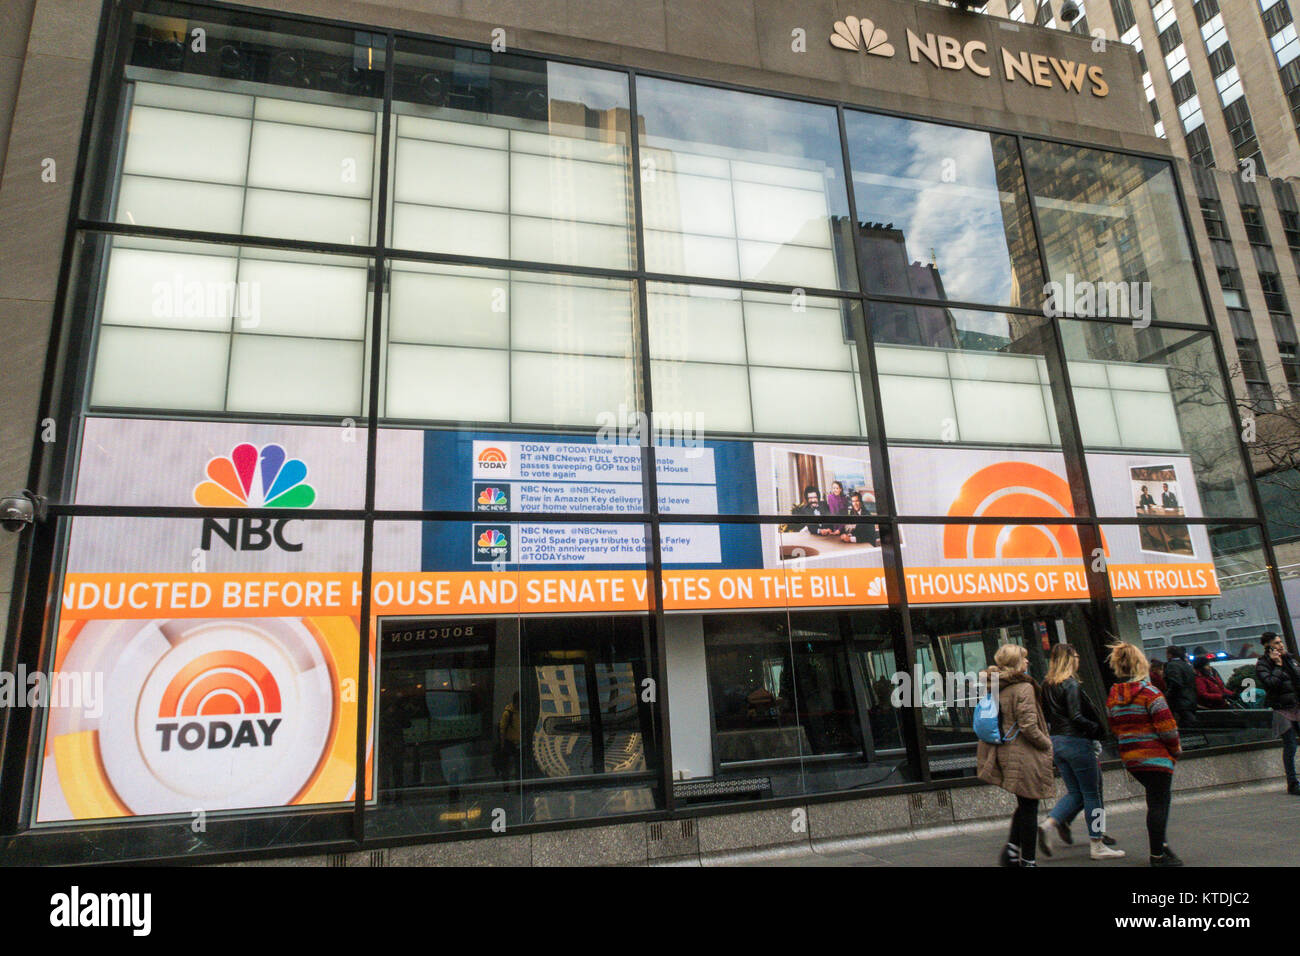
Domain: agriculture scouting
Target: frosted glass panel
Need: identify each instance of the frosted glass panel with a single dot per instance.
(326, 161)
(1145, 378)
(912, 361)
(456, 231)
(801, 402)
(315, 114)
(764, 172)
(307, 216)
(296, 298)
(449, 309)
(767, 262)
(558, 188)
(172, 290)
(1096, 412)
(556, 317)
(306, 376)
(774, 213)
(445, 174)
(555, 240)
(183, 145)
(158, 368)
(717, 396)
(1000, 412)
(685, 254)
(696, 328)
(429, 383)
(916, 407)
(181, 205)
(569, 389)
(1147, 420)
(778, 335)
(693, 204)
(206, 102)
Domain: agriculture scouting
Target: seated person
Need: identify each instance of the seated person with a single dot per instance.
(1168, 499)
(1146, 501)
(812, 506)
(837, 500)
(860, 532)
(1211, 692)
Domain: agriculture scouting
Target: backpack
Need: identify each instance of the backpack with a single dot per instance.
(988, 727)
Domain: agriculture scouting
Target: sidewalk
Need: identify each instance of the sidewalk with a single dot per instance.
(1253, 825)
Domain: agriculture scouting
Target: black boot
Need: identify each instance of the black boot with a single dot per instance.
(1010, 855)
(1293, 787)
(1168, 858)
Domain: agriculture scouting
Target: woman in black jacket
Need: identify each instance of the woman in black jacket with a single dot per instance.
(1075, 728)
(1279, 674)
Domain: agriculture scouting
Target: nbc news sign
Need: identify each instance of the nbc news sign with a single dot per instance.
(947, 53)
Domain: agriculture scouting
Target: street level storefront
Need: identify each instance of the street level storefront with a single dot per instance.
(467, 441)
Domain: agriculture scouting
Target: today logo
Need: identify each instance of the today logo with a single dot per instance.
(493, 458)
(216, 685)
(948, 53)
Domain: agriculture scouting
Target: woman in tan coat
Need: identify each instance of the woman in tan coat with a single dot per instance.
(1022, 764)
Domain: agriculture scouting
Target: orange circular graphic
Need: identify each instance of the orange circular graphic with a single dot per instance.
(1012, 489)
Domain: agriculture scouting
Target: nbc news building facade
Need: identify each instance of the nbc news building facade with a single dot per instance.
(546, 434)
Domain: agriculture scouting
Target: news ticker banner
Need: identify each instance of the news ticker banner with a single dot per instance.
(233, 686)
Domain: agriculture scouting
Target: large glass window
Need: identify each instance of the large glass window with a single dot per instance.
(538, 348)
(724, 360)
(510, 157)
(739, 186)
(1156, 397)
(942, 212)
(1112, 218)
(251, 132)
(228, 329)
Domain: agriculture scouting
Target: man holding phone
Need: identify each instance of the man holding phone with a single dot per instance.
(1279, 674)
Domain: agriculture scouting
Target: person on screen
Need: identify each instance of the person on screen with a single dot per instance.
(1146, 501)
(837, 500)
(1168, 498)
(812, 507)
(860, 532)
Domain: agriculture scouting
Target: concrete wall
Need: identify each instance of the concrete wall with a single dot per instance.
(733, 836)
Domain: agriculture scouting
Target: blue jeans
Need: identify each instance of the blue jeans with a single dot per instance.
(1081, 773)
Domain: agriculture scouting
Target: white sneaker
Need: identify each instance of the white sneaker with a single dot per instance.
(1046, 830)
(1100, 851)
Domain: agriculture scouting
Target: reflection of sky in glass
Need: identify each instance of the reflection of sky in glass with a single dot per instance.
(595, 89)
(781, 132)
(898, 172)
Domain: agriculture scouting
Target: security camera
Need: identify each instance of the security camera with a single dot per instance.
(968, 4)
(18, 511)
(1069, 11)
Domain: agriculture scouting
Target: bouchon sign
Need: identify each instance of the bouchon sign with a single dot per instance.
(947, 53)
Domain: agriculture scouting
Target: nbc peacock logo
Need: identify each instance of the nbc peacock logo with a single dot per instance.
(491, 496)
(491, 543)
(255, 477)
(852, 33)
(1012, 489)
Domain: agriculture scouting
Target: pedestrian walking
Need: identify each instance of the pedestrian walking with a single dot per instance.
(1021, 763)
(1180, 687)
(1278, 674)
(1076, 731)
(1148, 739)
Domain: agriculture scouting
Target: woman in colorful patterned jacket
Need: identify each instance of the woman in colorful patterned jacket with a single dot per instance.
(1148, 741)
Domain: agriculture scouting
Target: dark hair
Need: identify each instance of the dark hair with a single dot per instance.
(1202, 664)
(1177, 652)
(1268, 637)
(811, 490)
